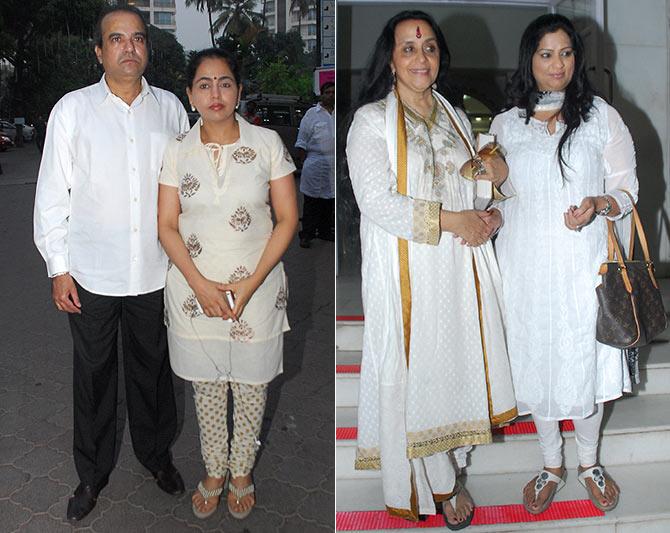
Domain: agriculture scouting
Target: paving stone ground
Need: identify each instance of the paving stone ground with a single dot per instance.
(294, 474)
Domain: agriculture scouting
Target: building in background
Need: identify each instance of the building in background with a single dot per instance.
(159, 13)
(280, 18)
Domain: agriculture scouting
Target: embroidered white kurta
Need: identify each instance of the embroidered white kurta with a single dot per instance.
(440, 402)
(550, 272)
(226, 222)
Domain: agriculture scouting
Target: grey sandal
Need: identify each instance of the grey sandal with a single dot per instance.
(240, 493)
(207, 494)
(541, 480)
(599, 476)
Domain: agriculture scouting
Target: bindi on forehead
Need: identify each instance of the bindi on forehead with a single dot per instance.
(418, 32)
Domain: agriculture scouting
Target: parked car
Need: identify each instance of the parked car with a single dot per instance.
(9, 129)
(279, 112)
(5, 142)
(28, 132)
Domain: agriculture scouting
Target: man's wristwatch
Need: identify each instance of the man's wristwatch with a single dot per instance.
(605, 210)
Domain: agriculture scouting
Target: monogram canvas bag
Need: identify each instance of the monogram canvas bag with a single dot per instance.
(631, 312)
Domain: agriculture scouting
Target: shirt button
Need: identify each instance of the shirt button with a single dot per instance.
(134, 259)
(132, 140)
(135, 230)
(134, 169)
(135, 199)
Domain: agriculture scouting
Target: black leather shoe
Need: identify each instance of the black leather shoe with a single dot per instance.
(169, 480)
(81, 503)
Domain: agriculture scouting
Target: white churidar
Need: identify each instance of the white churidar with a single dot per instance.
(550, 272)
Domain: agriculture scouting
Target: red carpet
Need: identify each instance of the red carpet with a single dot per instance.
(348, 369)
(495, 514)
(517, 428)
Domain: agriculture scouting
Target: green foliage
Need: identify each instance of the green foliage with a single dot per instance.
(167, 68)
(273, 63)
(278, 77)
(50, 45)
(57, 64)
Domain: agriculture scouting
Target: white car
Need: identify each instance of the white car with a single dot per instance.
(9, 129)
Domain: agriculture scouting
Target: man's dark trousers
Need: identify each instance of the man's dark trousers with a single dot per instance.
(148, 379)
(318, 217)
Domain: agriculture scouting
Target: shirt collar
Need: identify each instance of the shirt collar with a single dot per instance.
(103, 91)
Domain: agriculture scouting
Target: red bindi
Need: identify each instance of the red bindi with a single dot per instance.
(418, 32)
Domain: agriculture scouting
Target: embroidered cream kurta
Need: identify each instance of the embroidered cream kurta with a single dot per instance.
(457, 382)
(226, 222)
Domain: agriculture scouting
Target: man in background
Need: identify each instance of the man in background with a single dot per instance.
(316, 150)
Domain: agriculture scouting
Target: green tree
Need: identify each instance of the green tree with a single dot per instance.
(27, 26)
(210, 6)
(167, 68)
(238, 18)
(303, 10)
(271, 53)
(280, 78)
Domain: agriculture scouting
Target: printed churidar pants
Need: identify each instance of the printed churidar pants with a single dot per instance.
(211, 404)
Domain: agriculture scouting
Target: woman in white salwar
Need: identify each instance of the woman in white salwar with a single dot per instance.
(572, 165)
(434, 376)
(219, 186)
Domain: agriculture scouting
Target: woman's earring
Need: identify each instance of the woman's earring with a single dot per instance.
(237, 105)
(434, 86)
(192, 108)
(394, 78)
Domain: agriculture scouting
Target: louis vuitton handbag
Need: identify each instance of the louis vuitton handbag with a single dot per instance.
(631, 312)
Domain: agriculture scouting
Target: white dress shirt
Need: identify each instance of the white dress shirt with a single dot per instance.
(317, 137)
(97, 191)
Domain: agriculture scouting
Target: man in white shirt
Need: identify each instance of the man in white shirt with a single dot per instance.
(316, 148)
(95, 224)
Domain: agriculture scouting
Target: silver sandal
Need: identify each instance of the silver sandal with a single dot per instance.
(207, 494)
(240, 493)
(543, 477)
(599, 476)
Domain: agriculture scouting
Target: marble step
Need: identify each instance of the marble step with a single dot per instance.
(654, 371)
(636, 430)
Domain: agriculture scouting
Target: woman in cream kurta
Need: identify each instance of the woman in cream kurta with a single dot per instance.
(218, 188)
(453, 383)
(225, 222)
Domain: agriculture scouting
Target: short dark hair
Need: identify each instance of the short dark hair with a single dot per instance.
(522, 90)
(377, 77)
(211, 53)
(116, 9)
(326, 85)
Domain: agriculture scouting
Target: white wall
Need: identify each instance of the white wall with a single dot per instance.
(638, 52)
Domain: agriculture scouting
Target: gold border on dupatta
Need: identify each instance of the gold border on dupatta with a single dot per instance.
(403, 245)
(412, 513)
(511, 414)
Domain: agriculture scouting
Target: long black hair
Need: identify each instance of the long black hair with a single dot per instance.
(522, 90)
(378, 78)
